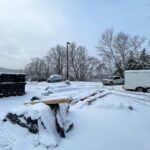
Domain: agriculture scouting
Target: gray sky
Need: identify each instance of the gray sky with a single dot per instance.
(28, 28)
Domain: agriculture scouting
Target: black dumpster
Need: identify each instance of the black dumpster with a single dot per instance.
(12, 84)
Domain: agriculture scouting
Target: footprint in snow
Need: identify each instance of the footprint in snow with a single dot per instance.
(7, 142)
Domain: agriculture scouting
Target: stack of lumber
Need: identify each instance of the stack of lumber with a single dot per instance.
(12, 84)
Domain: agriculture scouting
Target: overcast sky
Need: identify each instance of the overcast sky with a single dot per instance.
(28, 28)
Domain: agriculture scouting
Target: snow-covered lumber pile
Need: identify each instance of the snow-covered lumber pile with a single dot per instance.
(46, 121)
(12, 84)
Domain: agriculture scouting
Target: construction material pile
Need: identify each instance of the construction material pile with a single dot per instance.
(48, 121)
(12, 84)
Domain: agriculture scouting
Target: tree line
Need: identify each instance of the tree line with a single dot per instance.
(117, 52)
(82, 67)
(122, 52)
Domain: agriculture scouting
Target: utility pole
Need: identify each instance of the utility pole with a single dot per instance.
(67, 60)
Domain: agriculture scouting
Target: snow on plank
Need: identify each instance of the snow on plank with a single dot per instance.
(86, 96)
(51, 101)
(91, 100)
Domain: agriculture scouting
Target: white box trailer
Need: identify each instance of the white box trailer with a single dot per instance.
(138, 80)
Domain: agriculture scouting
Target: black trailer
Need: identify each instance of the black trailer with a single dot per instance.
(12, 84)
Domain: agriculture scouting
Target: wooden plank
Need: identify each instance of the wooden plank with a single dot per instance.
(92, 94)
(89, 102)
(51, 102)
(74, 102)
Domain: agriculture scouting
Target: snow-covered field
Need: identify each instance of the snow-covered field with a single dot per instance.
(106, 124)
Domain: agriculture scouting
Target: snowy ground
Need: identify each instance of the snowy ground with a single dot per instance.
(106, 124)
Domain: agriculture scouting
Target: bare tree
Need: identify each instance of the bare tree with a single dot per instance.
(122, 49)
(106, 48)
(101, 70)
(56, 59)
(136, 43)
(36, 69)
(49, 64)
(116, 49)
(81, 65)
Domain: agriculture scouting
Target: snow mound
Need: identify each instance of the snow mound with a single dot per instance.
(48, 122)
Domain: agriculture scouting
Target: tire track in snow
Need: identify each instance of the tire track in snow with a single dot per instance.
(134, 99)
(7, 142)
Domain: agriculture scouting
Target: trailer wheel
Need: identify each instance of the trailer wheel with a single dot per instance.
(148, 90)
(139, 89)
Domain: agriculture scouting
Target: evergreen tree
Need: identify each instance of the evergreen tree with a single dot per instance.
(140, 63)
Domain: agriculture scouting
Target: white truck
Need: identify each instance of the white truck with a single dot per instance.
(114, 80)
(138, 80)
